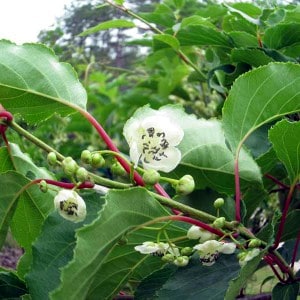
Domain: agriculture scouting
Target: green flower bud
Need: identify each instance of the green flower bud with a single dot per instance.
(168, 257)
(254, 243)
(43, 186)
(86, 157)
(185, 185)
(219, 222)
(241, 255)
(81, 174)
(97, 160)
(51, 158)
(69, 166)
(181, 261)
(219, 203)
(117, 169)
(151, 177)
(186, 251)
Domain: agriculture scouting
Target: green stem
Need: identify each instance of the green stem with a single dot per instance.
(158, 31)
(47, 148)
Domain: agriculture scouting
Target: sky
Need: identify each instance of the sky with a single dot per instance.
(22, 20)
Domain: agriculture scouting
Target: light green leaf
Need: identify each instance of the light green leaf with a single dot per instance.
(167, 39)
(282, 35)
(54, 248)
(243, 39)
(123, 211)
(108, 25)
(34, 84)
(285, 291)
(285, 139)
(238, 283)
(201, 282)
(258, 97)
(199, 35)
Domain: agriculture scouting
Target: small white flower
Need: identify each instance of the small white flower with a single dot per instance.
(152, 136)
(209, 251)
(250, 254)
(70, 205)
(157, 249)
(181, 261)
(196, 232)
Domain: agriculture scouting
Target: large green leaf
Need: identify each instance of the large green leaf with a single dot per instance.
(285, 139)
(11, 287)
(54, 248)
(286, 291)
(258, 97)
(34, 84)
(253, 57)
(123, 211)
(201, 282)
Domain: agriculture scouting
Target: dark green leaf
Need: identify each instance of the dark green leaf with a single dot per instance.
(11, 286)
(34, 84)
(285, 291)
(201, 282)
(291, 226)
(243, 39)
(253, 57)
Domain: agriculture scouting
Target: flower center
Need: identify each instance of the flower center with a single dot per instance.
(154, 144)
(69, 207)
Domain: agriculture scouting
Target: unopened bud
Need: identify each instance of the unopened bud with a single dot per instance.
(151, 177)
(51, 158)
(43, 186)
(168, 257)
(186, 251)
(254, 243)
(97, 160)
(181, 261)
(81, 174)
(185, 185)
(117, 169)
(86, 157)
(219, 222)
(69, 166)
(219, 203)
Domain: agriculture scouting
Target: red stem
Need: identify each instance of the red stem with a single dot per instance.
(66, 185)
(283, 217)
(295, 250)
(278, 182)
(269, 261)
(237, 191)
(197, 223)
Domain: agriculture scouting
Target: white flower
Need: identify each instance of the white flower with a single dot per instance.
(70, 205)
(196, 232)
(181, 261)
(209, 251)
(157, 248)
(248, 256)
(152, 137)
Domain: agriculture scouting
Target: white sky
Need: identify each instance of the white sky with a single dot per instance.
(22, 20)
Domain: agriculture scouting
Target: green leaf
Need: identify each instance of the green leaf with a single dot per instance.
(285, 139)
(123, 211)
(201, 282)
(291, 226)
(168, 40)
(35, 85)
(108, 25)
(54, 248)
(243, 39)
(11, 183)
(199, 35)
(285, 291)
(253, 57)
(258, 97)
(282, 35)
(238, 283)
(11, 286)
(163, 15)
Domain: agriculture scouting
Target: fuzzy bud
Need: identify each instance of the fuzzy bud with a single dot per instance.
(254, 243)
(81, 174)
(219, 203)
(86, 157)
(117, 169)
(219, 222)
(43, 186)
(51, 158)
(151, 177)
(168, 258)
(97, 160)
(69, 166)
(186, 251)
(185, 185)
